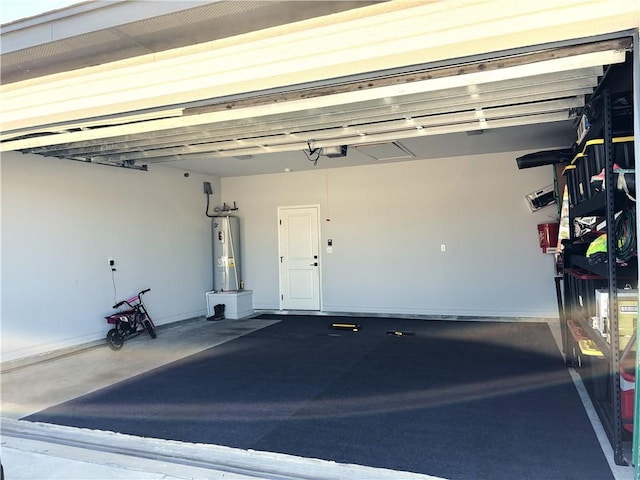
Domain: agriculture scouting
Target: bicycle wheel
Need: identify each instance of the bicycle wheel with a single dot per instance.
(150, 328)
(115, 340)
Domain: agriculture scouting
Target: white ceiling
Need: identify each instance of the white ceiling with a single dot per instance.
(512, 103)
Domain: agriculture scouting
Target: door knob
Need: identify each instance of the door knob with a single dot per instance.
(314, 264)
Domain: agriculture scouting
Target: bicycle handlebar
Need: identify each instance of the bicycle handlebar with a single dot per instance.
(119, 304)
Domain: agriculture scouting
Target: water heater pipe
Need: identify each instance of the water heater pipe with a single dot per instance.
(233, 252)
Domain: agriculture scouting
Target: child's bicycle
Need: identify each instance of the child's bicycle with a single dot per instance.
(129, 322)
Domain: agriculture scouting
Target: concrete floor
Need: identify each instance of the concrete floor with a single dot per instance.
(39, 451)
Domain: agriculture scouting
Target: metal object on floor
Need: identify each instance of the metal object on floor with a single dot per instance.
(399, 333)
(346, 326)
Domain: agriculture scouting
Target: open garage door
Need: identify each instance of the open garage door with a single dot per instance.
(213, 99)
(515, 90)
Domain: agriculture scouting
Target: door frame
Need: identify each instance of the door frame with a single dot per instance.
(320, 259)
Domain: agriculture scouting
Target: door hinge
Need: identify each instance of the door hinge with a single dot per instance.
(280, 221)
(281, 297)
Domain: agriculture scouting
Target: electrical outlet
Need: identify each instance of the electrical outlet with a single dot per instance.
(443, 248)
(111, 261)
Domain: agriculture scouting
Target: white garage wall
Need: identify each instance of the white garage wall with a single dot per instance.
(387, 223)
(61, 220)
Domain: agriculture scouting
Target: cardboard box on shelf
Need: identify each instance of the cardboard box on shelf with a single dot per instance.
(627, 314)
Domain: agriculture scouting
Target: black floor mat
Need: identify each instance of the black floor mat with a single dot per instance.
(461, 400)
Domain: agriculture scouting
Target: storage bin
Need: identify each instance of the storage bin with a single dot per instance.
(599, 377)
(627, 398)
(585, 287)
(627, 313)
(591, 162)
(623, 152)
(627, 319)
(584, 173)
(580, 347)
(571, 173)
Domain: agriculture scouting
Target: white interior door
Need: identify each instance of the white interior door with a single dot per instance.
(299, 258)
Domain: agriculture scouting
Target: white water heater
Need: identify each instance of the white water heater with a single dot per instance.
(226, 253)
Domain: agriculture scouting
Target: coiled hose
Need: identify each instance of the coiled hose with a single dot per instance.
(625, 235)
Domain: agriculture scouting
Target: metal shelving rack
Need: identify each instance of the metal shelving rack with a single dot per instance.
(576, 265)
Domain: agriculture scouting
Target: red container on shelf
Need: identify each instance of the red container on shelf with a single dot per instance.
(548, 235)
(627, 397)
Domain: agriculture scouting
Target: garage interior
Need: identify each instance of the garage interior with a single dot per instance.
(402, 141)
